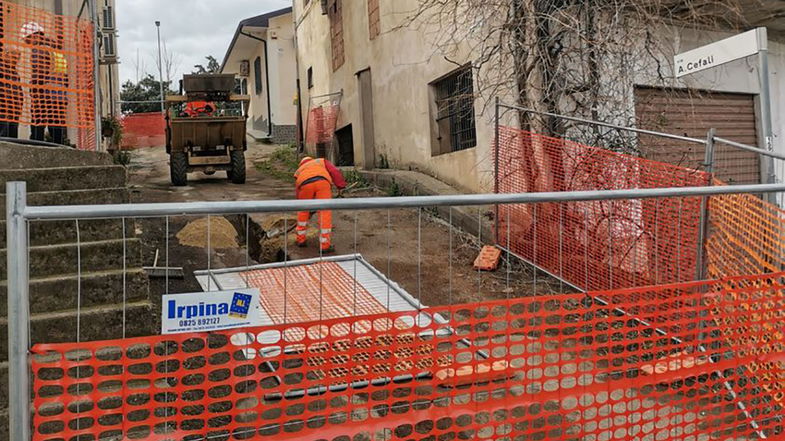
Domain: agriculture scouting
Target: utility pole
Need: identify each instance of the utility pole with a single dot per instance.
(160, 66)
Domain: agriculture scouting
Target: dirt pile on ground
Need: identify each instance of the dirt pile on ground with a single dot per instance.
(223, 235)
(278, 227)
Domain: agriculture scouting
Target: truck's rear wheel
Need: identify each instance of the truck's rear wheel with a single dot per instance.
(178, 168)
(237, 173)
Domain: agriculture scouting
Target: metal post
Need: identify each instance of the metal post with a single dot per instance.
(703, 226)
(160, 66)
(496, 186)
(97, 75)
(765, 109)
(18, 312)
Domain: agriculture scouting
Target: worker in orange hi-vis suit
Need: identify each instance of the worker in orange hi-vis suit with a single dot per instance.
(199, 108)
(315, 178)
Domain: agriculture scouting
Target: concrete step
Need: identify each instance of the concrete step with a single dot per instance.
(60, 232)
(104, 321)
(66, 178)
(98, 288)
(56, 260)
(25, 157)
(118, 195)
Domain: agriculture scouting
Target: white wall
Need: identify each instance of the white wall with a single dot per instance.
(258, 111)
(283, 70)
(279, 63)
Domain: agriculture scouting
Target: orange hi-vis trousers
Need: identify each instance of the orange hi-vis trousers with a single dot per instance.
(316, 190)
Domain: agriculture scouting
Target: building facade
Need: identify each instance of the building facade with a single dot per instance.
(263, 56)
(390, 113)
(405, 104)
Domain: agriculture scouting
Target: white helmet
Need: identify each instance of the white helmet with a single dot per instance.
(31, 28)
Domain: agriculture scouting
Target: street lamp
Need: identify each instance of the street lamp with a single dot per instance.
(160, 65)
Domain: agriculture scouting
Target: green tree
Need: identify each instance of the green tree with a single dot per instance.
(144, 96)
(212, 66)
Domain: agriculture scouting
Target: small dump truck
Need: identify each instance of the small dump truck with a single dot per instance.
(205, 128)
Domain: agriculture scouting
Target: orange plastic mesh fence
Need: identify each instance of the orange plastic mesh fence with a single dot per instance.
(46, 71)
(746, 236)
(311, 292)
(672, 362)
(321, 124)
(604, 244)
(144, 130)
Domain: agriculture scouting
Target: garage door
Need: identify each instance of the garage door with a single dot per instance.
(693, 113)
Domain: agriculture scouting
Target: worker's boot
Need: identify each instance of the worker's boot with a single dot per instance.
(328, 250)
(302, 238)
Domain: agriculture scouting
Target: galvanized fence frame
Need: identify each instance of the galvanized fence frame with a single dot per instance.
(709, 142)
(19, 214)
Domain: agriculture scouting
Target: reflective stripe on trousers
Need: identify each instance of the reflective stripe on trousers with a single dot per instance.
(316, 190)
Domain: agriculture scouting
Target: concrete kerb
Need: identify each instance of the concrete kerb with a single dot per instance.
(411, 183)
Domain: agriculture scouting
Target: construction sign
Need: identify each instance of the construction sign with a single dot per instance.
(210, 311)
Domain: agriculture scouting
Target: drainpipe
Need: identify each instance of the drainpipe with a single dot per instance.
(111, 91)
(300, 128)
(267, 80)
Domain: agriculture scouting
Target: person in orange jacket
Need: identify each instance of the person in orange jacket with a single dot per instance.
(314, 180)
(199, 108)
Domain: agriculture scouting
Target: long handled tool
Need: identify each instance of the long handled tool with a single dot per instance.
(157, 272)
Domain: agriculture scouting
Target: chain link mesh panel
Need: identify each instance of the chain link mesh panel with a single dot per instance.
(322, 122)
(603, 244)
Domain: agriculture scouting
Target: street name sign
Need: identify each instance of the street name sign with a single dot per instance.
(716, 54)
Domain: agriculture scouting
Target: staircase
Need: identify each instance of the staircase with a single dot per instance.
(65, 177)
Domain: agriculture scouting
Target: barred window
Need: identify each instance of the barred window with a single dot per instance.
(455, 111)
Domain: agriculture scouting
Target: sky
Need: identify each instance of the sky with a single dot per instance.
(192, 30)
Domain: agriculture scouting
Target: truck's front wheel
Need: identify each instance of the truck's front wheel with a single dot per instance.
(178, 168)
(237, 173)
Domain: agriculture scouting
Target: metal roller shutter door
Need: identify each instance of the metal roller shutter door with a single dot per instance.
(693, 113)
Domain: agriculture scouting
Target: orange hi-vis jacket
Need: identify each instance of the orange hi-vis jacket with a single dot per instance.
(312, 169)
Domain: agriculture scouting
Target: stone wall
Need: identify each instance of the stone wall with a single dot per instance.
(284, 134)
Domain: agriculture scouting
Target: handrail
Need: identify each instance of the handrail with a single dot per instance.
(283, 206)
(603, 124)
(750, 148)
(326, 95)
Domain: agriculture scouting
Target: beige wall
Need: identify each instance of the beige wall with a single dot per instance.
(402, 64)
